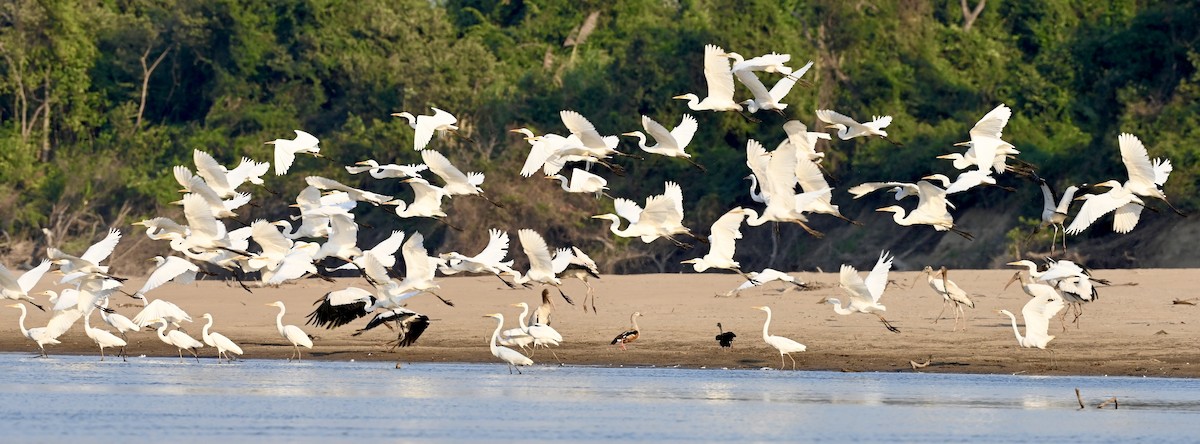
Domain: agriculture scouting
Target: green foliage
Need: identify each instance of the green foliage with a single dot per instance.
(236, 73)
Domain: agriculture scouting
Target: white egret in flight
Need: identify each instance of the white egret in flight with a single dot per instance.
(865, 294)
(286, 150)
(425, 125)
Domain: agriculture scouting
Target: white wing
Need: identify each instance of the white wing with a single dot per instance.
(985, 136)
(159, 309)
(1097, 205)
(725, 232)
(496, 248)
(861, 190)
(536, 249)
(416, 259)
(284, 158)
(684, 132)
(442, 167)
(562, 258)
(834, 118)
(876, 281)
(214, 173)
(852, 283)
(660, 134)
(628, 209)
(1136, 160)
(717, 73)
(170, 269)
(30, 279)
(101, 250)
(389, 246)
(583, 129)
(1037, 313)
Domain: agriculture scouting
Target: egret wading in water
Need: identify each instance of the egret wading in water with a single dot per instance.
(297, 337)
(224, 346)
(513, 358)
(177, 338)
(784, 345)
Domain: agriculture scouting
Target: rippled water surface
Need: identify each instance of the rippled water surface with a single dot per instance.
(77, 397)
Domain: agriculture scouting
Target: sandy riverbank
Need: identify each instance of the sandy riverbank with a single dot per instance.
(1131, 330)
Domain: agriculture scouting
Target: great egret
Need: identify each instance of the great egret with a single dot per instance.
(160, 228)
(849, 128)
(457, 183)
(724, 338)
(160, 309)
(356, 194)
(542, 267)
(219, 206)
(719, 76)
(865, 294)
(671, 143)
(343, 239)
(1146, 178)
(518, 336)
(103, 338)
(294, 335)
(784, 345)
(427, 201)
(583, 130)
(169, 269)
(767, 275)
(662, 217)
(1128, 207)
(543, 335)
(389, 171)
(931, 210)
(722, 241)
(508, 355)
(117, 320)
(1055, 215)
(803, 140)
(776, 172)
(286, 150)
(630, 335)
(987, 150)
(1036, 313)
(43, 336)
(425, 125)
(951, 294)
(763, 98)
(224, 346)
(581, 182)
(18, 288)
(490, 260)
(177, 338)
(551, 152)
(225, 181)
(88, 263)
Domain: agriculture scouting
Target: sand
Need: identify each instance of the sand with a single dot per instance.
(1133, 329)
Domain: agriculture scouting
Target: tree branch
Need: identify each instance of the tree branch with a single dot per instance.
(969, 15)
(146, 72)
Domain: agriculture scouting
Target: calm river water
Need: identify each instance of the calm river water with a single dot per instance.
(74, 398)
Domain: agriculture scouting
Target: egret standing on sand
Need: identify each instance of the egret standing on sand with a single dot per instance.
(784, 345)
(292, 333)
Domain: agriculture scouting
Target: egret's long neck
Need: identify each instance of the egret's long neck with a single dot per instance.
(162, 332)
(206, 327)
(279, 320)
(837, 308)
(496, 334)
(757, 197)
(521, 319)
(642, 142)
(21, 322)
(766, 325)
(615, 227)
(693, 102)
(898, 217)
(1016, 331)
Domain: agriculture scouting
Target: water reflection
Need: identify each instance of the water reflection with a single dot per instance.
(256, 400)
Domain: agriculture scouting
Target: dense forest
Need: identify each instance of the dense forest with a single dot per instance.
(99, 99)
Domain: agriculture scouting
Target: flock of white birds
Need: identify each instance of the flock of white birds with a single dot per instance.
(788, 181)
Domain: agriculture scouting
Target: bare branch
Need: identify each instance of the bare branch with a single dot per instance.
(146, 72)
(969, 15)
